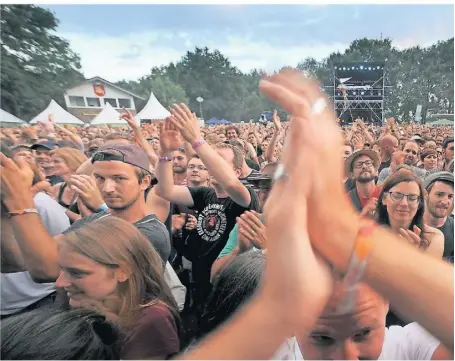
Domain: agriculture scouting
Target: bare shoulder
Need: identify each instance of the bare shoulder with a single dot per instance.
(436, 240)
(431, 232)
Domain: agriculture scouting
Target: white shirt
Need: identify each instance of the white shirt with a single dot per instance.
(411, 342)
(18, 289)
(177, 289)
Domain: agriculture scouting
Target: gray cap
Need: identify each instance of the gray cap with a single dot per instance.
(438, 176)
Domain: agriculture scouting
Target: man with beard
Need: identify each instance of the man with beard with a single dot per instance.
(388, 145)
(362, 166)
(179, 165)
(44, 161)
(439, 201)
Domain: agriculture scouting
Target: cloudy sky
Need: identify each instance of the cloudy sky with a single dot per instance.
(125, 41)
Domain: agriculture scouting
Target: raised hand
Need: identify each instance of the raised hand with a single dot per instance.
(16, 180)
(170, 137)
(178, 221)
(129, 118)
(276, 120)
(413, 237)
(186, 122)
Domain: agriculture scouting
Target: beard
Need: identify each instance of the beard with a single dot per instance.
(409, 161)
(365, 178)
(125, 206)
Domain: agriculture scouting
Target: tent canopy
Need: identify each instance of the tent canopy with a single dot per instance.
(442, 122)
(153, 110)
(61, 116)
(6, 117)
(108, 116)
(215, 121)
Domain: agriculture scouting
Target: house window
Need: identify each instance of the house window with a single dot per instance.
(111, 101)
(124, 103)
(76, 101)
(93, 102)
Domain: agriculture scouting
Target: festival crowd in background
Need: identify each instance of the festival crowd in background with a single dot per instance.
(296, 239)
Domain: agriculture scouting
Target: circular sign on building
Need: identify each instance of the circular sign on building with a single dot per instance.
(99, 89)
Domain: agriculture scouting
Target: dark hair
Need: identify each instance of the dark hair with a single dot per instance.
(141, 174)
(382, 216)
(446, 142)
(430, 187)
(47, 334)
(232, 127)
(232, 287)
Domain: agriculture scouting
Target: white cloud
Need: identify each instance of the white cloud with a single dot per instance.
(132, 56)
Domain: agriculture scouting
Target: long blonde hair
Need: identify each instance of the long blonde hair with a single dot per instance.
(72, 157)
(113, 242)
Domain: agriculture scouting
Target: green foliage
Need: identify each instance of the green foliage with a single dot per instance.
(415, 76)
(36, 65)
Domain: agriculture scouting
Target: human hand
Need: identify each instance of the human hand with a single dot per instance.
(252, 229)
(129, 118)
(16, 179)
(186, 122)
(276, 121)
(370, 208)
(170, 137)
(358, 142)
(192, 222)
(413, 237)
(85, 187)
(320, 189)
(42, 186)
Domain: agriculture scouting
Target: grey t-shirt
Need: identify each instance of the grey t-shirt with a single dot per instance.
(51, 213)
(150, 226)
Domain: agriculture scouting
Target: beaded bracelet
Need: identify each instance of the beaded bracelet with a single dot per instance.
(198, 143)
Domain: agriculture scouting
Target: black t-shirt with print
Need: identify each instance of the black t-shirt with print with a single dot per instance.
(216, 217)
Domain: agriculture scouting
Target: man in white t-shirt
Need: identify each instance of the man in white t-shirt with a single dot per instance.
(361, 333)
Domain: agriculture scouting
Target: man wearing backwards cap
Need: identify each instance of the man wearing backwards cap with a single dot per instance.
(122, 176)
(121, 172)
(439, 201)
(362, 166)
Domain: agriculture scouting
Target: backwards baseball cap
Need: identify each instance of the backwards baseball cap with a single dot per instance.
(438, 176)
(45, 144)
(126, 153)
(351, 159)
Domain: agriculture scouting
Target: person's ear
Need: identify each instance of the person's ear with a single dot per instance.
(146, 181)
(383, 201)
(122, 274)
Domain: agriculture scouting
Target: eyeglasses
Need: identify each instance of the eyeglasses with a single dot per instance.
(359, 165)
(398, 197)
(199, 167)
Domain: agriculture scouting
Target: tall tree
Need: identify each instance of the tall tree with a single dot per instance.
(36, 64)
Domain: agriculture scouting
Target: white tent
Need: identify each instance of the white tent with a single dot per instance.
(153, 110)
(108, 116)
(9, 119)
(61, 116)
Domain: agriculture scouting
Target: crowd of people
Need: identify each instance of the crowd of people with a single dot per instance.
(296, 239)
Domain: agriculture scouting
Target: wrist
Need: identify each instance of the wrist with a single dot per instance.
(22, 201)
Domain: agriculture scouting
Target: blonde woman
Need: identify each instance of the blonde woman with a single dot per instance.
(110, 266)
(66, 162)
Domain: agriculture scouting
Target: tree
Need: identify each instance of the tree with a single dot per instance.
(36, 65)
